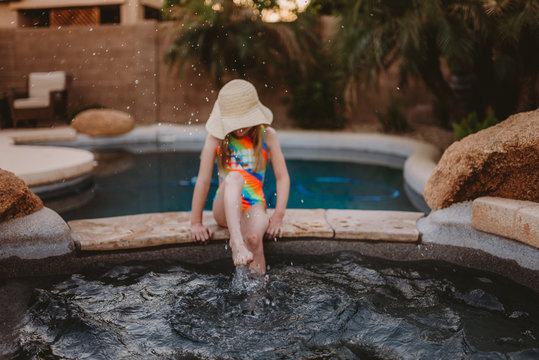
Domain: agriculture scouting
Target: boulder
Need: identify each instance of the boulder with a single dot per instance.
(43, 234)
(501, 161)
(16, 199)
(103, 122)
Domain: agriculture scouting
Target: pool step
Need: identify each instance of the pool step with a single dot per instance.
(156, 229)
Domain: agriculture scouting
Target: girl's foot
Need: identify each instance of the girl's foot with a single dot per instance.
(240, 254)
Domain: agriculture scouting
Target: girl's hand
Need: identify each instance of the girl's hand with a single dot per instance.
(200, 233)
(275, 227)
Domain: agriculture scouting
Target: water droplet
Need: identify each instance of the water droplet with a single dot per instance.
(398, 88)
(136, 82)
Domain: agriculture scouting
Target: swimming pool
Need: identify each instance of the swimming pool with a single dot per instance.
(127, 183)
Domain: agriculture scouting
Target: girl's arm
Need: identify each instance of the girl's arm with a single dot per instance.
(199, 232)
(275, 228)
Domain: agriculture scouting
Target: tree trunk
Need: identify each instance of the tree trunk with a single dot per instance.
(527, 99)
(431, 74)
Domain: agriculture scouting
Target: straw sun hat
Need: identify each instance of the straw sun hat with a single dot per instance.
(237, 106)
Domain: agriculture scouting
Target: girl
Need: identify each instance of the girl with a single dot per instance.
(241, 140)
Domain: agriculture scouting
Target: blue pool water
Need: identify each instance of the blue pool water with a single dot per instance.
(126, 183)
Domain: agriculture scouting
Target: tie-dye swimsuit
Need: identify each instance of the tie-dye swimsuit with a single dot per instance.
(242, 159)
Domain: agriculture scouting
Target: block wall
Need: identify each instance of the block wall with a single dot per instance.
(112, 66)
(122, 67)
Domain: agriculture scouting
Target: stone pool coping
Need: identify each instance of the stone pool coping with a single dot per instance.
(157, 229)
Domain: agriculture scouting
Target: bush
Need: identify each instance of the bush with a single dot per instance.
(393, 117)
(315, 101)
(471, 124)
(313, 106)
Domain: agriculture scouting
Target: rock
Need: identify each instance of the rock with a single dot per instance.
(500, 161)
(103, 122)
(16, 199)
(40, 235)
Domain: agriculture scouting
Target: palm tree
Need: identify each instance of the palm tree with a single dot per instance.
(229, 38)
(376, 34)
(517, 47)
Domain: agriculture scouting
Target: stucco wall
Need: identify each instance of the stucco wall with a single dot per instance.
(8, 18)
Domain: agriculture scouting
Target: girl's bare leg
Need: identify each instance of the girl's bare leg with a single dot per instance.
(254, 223)
(227, 212)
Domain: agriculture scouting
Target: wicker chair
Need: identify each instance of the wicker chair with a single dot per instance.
(47, 98)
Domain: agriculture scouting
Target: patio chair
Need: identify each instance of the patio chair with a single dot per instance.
(47, 98)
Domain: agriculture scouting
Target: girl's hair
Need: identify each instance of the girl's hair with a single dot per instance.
(255, 134)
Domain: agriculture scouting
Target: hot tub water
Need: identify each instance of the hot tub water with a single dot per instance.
(341, 306)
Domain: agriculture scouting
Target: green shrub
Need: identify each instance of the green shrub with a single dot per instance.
(393, 117)
(471, 124)
(315, 101)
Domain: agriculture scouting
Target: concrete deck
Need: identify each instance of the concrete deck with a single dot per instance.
(38, 165)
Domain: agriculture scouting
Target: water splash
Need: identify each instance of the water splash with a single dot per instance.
(245, 280)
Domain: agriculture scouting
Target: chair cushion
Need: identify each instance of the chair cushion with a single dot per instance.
(41, 83)
(31, 103)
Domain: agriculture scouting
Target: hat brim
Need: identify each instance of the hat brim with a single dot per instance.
(219, 126)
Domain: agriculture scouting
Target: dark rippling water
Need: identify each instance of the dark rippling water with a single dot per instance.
(334, 307)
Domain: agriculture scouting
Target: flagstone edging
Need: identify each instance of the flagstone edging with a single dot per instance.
(157, 229)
